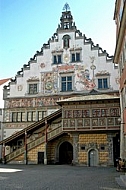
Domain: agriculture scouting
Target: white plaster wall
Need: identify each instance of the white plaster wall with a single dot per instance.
(46, 58)
(1, 94)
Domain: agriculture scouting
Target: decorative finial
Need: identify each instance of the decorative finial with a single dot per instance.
(66, 7)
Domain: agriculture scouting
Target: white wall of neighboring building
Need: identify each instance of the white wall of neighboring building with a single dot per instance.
(3, 82)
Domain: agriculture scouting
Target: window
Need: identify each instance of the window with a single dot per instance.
(31, 116)
(75, 57)
(41, 115)
(82, 147)
(18, 116)
(66, 83)
(102, 147)
(57, 59)
(33, 88)
(102, 83)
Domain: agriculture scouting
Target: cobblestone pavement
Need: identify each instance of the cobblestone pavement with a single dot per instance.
(58, 177)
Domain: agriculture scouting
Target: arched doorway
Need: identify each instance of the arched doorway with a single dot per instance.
(65, 153)
(93, 157)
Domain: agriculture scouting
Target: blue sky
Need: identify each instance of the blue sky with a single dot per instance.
(26, 24)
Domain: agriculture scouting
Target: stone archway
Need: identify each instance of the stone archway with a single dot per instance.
(65, 153)
(93, 157)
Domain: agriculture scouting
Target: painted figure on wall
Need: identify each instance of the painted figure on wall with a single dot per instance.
(84, 80)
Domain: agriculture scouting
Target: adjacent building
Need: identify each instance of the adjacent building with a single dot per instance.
(63, 105)
(120, 59)
(2, 83)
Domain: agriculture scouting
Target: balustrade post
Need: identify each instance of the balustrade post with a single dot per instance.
(3, 154)
(25, 151)
(46, 140)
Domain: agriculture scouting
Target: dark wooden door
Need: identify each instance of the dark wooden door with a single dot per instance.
(40, 157)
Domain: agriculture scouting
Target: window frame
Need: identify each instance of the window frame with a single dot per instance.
(31, 118)
(43, 114)
(68, 84)
(16, 118)
(57, 59)
(33, 91)
(102, 78)
(74, 57)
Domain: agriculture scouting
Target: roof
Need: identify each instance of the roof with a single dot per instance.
(89, 98)
(2, 81)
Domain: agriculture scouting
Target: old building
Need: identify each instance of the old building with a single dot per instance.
(120, 59)
(85, 131)
(69, 65)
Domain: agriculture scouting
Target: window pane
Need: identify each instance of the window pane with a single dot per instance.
(34, 116)
(69, 86)
(63, 86)
(14, 117)
(32, 88)
(39, 115)
(105, 84)
(54, 61)
(77, 56)
(69, 78)
(99, 83)
(23, 116)
(19, 116)
(29, 116)
(63, 78)
(59, 58)
(73, 57)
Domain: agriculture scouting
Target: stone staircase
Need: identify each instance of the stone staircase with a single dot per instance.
(51, 134)
(121, 180)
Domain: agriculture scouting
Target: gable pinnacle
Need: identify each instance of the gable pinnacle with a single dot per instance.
(66, 7)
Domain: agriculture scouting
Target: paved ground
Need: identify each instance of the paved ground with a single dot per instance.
(57, 177)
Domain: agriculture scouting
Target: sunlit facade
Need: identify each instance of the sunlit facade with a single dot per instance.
(120, 59)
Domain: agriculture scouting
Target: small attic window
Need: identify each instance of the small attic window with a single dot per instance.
(66, 43)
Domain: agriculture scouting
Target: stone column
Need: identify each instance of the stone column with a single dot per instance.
(110, 149)
(75, 149)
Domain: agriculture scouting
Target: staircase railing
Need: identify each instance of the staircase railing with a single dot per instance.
(50, 135)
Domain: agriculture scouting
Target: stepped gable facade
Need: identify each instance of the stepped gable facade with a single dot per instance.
(69, 65)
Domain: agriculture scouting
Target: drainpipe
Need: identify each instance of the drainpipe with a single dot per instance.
(46, 140)
(25, 152)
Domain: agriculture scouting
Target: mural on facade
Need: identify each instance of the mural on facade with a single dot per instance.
(83, 81)
(33, 102)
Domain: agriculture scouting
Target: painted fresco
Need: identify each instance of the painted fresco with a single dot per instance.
(83, 81)
(32, 102)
